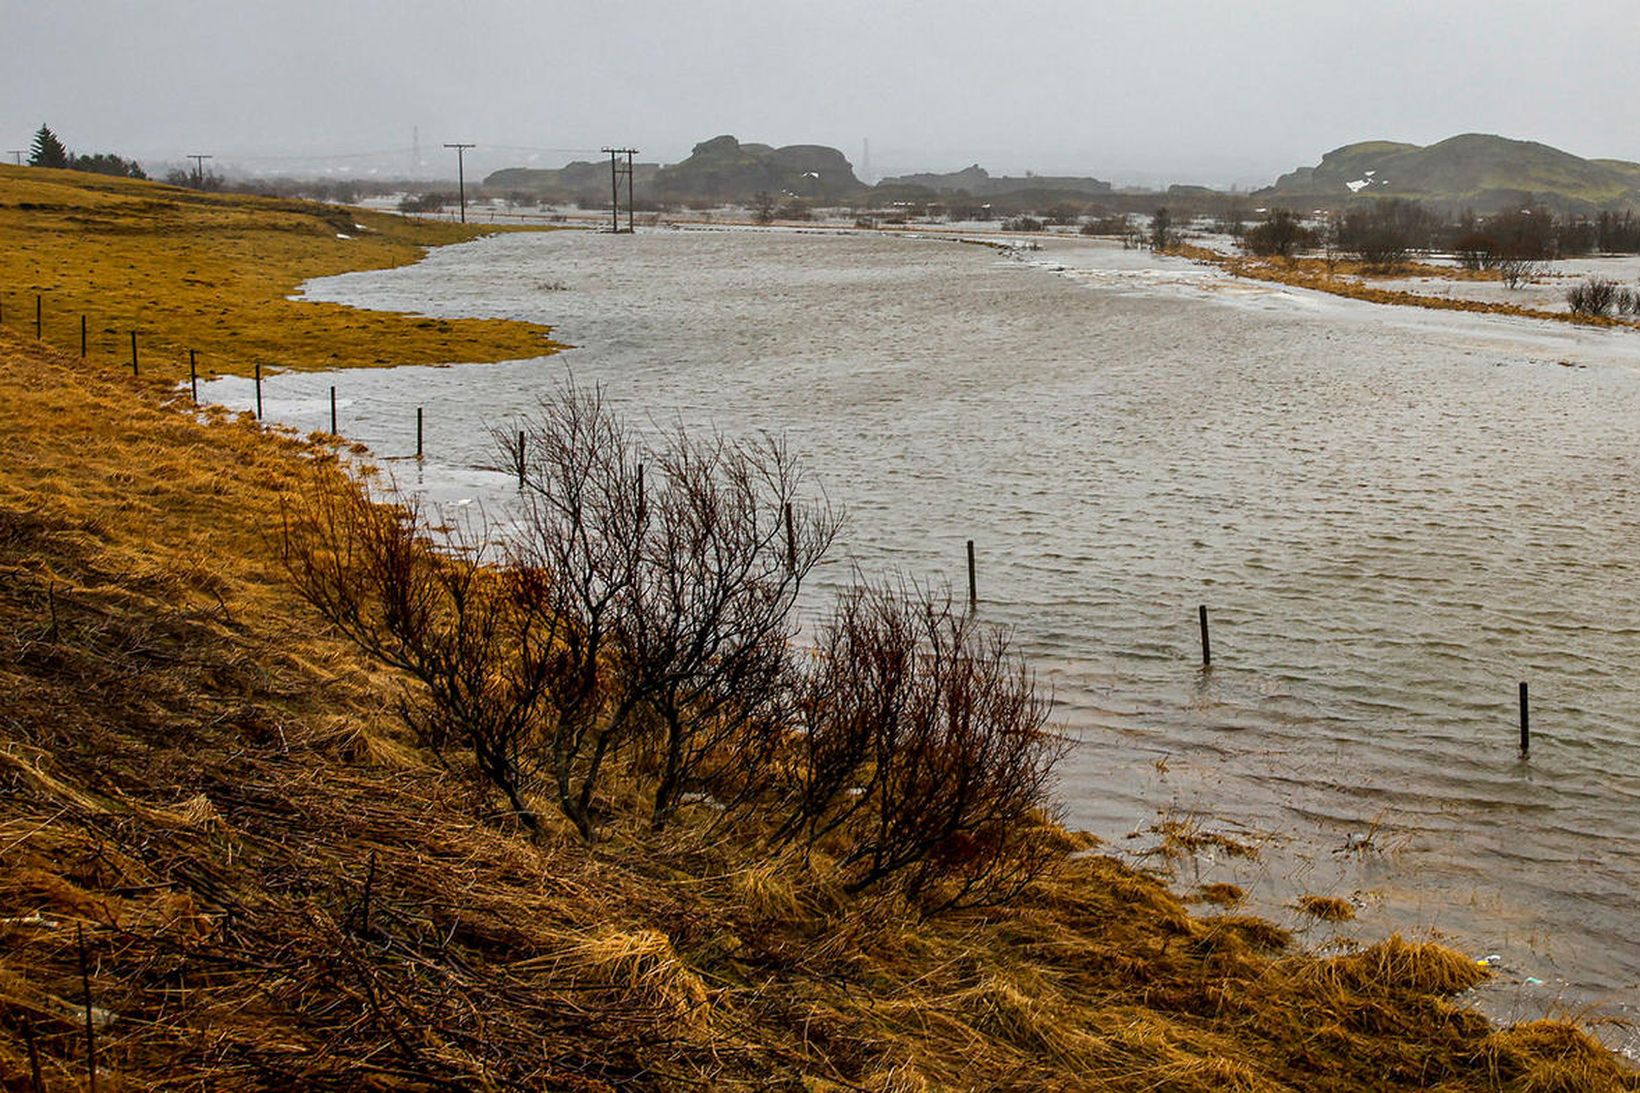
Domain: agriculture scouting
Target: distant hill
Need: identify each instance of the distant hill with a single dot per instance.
(725, 169)
(573, 180)
(1477, 170)
(720, 169)
(976, 181)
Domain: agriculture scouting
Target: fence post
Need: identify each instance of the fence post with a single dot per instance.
(791, 540)
(193, 376)
(418, 432)
(333, 431)
(1525, 724)
(1207, 646)
(521, 463)
(258, 391)
(973, 588)
(133, 352)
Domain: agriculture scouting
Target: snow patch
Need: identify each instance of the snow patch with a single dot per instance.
(1358, 185)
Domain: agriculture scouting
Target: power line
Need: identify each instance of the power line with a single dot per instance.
(461, 175)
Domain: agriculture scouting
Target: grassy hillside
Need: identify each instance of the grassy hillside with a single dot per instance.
(212, 272)
(1474, 168)
(223, 865)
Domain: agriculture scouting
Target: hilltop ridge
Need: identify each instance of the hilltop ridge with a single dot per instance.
(1480, 170)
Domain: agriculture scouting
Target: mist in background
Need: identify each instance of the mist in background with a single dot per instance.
(1140, 92)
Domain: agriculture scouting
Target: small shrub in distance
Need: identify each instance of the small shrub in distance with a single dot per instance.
(1278, 235)
(1594, 297)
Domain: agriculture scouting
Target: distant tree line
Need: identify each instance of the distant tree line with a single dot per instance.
(1382, 233)
(49, 151)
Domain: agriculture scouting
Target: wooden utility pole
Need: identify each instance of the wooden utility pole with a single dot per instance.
(616, 170)
(199, 169)
(461, 175)
(16, 155)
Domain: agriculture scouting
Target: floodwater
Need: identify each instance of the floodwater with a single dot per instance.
(1393, 516)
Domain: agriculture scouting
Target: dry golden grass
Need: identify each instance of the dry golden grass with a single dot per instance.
(276, 889)
(212, 272)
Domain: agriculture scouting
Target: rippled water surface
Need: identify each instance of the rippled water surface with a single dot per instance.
(1393, 516)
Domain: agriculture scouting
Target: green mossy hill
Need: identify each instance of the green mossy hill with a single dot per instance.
(1475, 169)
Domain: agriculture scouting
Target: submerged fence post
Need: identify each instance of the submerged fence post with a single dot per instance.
(521, 464)
(259, 392)
(1525, 724)
(418, 432)
(193, 376)
(791, 540)
(133, 352)
(333, 431)
(1207, 646)
(973, 588)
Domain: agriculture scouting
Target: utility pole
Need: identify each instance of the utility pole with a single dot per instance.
(461, 175)
(16, 155)
(616, 170)
(199, 169)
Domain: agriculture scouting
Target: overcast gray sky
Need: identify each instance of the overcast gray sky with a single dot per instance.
(1136, 90)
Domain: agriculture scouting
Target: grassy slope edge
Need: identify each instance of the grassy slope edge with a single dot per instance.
(274, 889)
(214, 272)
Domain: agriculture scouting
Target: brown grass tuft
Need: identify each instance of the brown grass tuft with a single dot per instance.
(1327, 908)
(1423, 966)
(1221, 894)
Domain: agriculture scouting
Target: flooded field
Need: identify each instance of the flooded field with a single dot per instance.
(1393, 516)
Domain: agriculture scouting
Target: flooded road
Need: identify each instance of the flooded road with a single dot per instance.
(1393, 516)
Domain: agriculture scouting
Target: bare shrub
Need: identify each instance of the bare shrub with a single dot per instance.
(1515, 271)
(709, 639)
(1383, 232)
(624, 623)
(1278, 235)
(444, 618)
(927, 756)
(574, 567)
(640, 618)
(1116, 225)
(1594, 297)
(1475, 250)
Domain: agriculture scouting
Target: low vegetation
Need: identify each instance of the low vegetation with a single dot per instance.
(237, 855)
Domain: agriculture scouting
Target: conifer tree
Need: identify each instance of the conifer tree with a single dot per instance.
(48, 151)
